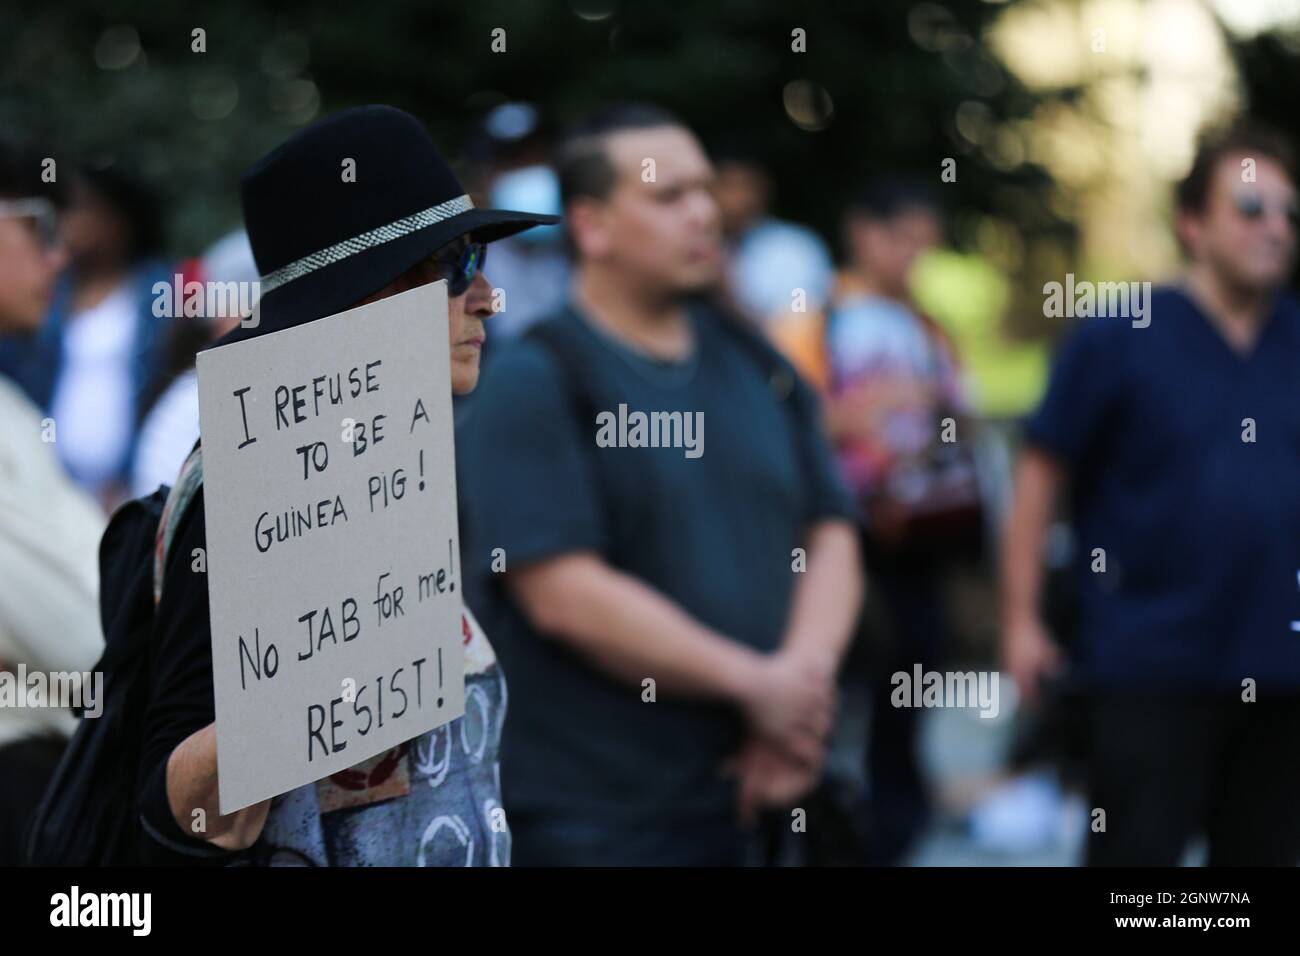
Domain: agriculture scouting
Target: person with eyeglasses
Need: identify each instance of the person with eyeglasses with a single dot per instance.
(1178, 438)
(49, 530)
(323, 246)
(95, 360)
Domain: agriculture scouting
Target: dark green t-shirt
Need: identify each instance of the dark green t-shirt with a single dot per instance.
(711, 523)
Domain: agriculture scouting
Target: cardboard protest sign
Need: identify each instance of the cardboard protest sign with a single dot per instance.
(330, 497)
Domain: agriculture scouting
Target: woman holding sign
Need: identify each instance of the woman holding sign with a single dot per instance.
(353, 209)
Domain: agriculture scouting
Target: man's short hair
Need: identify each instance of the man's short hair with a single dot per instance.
(888, 195)
(1254, 140)
(114, 184)
(582, 162)
(20, 175)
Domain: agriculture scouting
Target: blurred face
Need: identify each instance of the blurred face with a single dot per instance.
(662, 235)
(1247, 231)
(886, 249)
(28, 268)
(466, 313)
(741, 192)
(93, 230)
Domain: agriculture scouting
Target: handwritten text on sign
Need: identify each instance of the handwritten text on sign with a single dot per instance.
(330, 496)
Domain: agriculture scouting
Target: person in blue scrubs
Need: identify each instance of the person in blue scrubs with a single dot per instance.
(1176, 433)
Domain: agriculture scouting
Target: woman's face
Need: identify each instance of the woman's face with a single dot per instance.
(465, 313)
(465, 317)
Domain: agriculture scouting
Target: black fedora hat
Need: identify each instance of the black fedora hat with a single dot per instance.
(346, 206)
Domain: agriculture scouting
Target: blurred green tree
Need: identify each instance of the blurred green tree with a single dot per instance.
(878, 86)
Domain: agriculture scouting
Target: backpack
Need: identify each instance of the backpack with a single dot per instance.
(87, 816)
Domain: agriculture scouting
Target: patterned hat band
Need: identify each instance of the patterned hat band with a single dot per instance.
(367, 240)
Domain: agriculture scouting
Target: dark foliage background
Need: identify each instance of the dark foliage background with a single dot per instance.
(894, 74)
(887, 79)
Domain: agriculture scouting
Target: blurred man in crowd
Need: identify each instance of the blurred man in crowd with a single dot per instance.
(896, 411)
(1177, 432)
(768, 259)
(91, 364)
(49, 532)
(662, 611)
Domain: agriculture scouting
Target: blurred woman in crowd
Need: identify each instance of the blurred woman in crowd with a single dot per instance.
(49, 530)
(92, 362)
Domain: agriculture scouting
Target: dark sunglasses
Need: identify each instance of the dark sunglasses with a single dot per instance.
(1250, 205)
(460, 266)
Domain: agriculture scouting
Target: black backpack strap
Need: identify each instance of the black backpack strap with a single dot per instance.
(781, 376)
(559, 344)
(795, 397)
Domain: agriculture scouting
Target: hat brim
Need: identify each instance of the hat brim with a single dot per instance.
(339, 286)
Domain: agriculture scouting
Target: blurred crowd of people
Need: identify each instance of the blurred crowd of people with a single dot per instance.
(737, 580)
